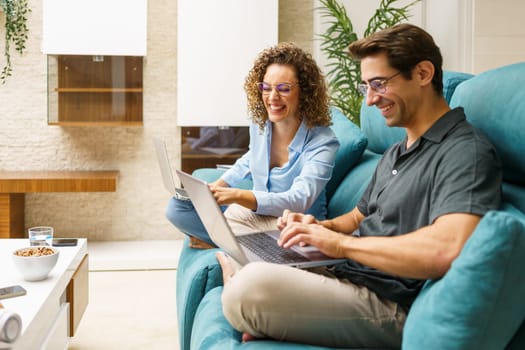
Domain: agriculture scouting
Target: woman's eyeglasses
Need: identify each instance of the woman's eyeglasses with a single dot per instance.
(283, 89)
(378, 85)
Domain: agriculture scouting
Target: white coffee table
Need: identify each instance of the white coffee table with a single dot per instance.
(53, 307)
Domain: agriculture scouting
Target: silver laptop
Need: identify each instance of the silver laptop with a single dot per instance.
(258, 246)
(165, 170)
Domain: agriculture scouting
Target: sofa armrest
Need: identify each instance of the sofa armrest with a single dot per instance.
(197, 273)
(478, 303)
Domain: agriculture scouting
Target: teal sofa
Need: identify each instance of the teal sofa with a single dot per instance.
(479, 304)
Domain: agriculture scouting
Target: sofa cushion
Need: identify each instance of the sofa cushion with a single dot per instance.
(518, 341)
(514, 195)
(212, 174)
(353, 185)
(451, 80)
(380, 136)
(494, 102)
(352, 145)
(478, 304)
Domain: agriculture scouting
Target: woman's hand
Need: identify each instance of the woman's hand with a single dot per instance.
(225, 195)
(229, 195)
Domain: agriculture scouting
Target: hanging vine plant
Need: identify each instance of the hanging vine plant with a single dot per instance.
(344, 73)
(15, 12)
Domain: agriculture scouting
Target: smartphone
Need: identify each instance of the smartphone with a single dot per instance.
(64, 242)
(12, 291)
(181, 194)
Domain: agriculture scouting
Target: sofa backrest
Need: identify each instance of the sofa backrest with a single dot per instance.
(352, 143)
(494, 102)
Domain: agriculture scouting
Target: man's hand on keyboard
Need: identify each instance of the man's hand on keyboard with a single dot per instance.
(290, 217)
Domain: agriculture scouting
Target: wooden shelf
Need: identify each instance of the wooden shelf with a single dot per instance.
(105, 90)
(101, 91)
(58, 181)
(15, 184)
(96, 123)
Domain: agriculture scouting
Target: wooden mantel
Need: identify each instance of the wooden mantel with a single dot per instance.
(14, 185)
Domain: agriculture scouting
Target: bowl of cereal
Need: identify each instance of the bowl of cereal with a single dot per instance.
(35, 263)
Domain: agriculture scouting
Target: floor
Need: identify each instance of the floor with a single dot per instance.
(131, 297)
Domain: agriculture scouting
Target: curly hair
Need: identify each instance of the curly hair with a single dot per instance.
(313, 97)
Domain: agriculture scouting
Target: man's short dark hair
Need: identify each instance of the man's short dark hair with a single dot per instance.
(405, 45)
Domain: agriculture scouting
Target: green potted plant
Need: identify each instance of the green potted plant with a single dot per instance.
(15, 13)
(344, 73)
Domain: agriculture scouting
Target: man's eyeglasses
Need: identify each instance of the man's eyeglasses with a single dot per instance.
(283, 89)
(378, 85)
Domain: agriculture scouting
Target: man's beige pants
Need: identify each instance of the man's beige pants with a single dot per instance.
(313, 307)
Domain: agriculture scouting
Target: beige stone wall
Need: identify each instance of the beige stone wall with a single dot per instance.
(136, 210)
(296, 22)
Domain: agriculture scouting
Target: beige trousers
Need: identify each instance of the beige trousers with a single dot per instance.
(244, 220)
(284, 303)
(312, 307)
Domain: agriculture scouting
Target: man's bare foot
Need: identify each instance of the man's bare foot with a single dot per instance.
(227, 269)
(246, 337)
(196, 243)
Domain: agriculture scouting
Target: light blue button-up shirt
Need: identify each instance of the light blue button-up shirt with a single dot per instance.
(299, 185)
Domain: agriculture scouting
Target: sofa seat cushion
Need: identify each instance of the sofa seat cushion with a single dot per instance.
(478, 304)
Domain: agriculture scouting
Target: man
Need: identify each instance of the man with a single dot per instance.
(425, 199)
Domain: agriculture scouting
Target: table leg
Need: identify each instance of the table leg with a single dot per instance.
(12, 215)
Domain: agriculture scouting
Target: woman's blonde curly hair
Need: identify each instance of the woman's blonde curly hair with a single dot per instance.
(313, 96)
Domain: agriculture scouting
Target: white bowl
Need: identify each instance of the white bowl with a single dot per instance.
(35, 268)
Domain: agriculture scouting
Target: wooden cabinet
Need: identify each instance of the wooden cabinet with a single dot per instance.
(77, 294)
(95, 90)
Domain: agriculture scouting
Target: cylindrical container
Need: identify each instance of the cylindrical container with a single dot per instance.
(10, 325)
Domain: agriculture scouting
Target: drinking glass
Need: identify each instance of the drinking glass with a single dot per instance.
(40, 236)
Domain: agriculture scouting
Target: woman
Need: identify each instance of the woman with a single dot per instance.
(291, 153)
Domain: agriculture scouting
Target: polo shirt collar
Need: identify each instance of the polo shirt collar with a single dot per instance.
(443, 125)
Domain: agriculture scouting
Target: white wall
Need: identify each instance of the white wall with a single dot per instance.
(474, 35)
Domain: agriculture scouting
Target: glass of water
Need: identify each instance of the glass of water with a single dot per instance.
(40, 236)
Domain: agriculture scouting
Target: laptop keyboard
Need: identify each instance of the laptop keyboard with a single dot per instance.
(266, 247)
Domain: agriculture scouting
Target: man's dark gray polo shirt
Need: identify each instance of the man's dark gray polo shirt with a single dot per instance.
(452, 168)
